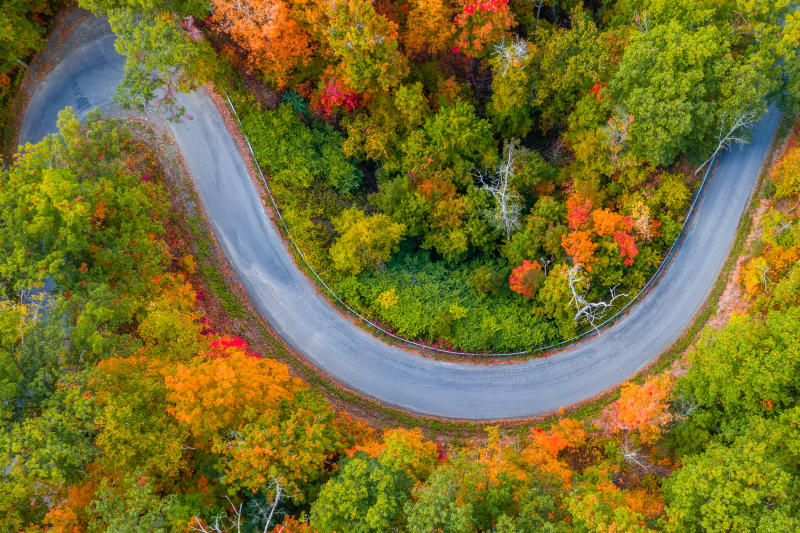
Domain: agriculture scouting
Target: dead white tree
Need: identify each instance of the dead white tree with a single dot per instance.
(545, 262)
(640, 19)
(732, 130)
(538, 6)
(556, 152)
(682, 408)
(220, 523)
(587, 311)
(233, 522)
(264, 510)
(511, 54)
(508, 206)
(634, 456)
(617, 130)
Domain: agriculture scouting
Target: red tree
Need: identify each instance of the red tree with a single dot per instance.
(526, 278)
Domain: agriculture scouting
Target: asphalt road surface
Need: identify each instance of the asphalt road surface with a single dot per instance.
(88, 77)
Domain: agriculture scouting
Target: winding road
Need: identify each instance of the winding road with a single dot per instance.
(307, 323)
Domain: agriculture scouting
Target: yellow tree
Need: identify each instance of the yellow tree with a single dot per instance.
(215, 395)
(366, 42)
(292, 446)
(404, 449)
(430, 26)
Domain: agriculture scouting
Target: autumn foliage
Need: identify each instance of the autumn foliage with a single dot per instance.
(643, 409)
(482, 23)
(545, 448)
(578, 210)
(215, 394)
(580, 247)
(275, 42)
(786, 173)
(526, 278)
(627, 246)
(335, 97)
(587, 225)
(430, 26)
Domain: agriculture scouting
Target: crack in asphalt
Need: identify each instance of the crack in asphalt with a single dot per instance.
(308, 324)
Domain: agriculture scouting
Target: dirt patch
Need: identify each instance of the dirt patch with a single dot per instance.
(733, 298)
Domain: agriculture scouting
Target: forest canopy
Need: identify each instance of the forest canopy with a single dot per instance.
(446, 165)
(451, 168)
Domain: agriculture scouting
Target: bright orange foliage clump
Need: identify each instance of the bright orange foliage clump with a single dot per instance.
(642, 408)
(218, 394)
(579, 246)
(606, 222)
(543, 448)
(430, 26)
(645, 501)
(275, 42)
(66, 516)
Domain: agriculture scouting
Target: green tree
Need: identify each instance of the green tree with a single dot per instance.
(72, 211)
(366, 241)
(377, 132)
(135, 432)
(32, 354)
(161, 59)
(294, 155)
(133, 504)
(76, 209)
(569, 62)
(20, 35)
(365, 496)
(459, 498)
(367, 44)
(511, 106)
(669, 81)
(45, 453)
(454, 139)
(733, 488)
(747, 369)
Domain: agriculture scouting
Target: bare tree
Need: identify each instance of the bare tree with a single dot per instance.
(538, 6)
(739, 24)
(683, 407)
(632, 455)
(233, 522)
(511, 54)
(508, 206)
(556, 151)
(590, 312)
(640, 19)
(617, 129)
(732, 130)
(545, 262)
